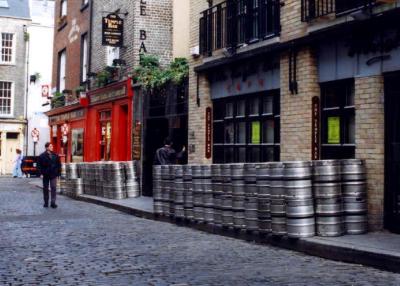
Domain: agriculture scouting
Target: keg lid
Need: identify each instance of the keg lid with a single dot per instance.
(326, 163)
(352, 162)
(294, 164)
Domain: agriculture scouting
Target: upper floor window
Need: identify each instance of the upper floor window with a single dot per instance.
(112, 54)
(6, 96)
(62, 58)
(84, 57)
(63, 10)
(7, 48)
(85, 2)
(4, 4)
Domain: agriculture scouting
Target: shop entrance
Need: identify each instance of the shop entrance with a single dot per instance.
(105, 142)
(165, 115)
(392, 152)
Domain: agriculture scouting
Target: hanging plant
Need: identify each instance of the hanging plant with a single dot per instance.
(58, 100)
(152, 76)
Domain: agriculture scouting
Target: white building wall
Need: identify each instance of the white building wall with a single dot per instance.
(41, 33)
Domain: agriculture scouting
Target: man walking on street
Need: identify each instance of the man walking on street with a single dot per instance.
(50, 168)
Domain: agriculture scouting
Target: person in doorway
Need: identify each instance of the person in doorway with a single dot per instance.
(49, 165)
(166, 155)
(17, 172)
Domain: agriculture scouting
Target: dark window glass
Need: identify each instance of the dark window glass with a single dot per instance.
(249, 128)
(338, 120)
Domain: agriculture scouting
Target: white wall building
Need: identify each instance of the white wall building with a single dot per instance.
(41, 32)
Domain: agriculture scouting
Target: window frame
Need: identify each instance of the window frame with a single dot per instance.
(59, 70)
(13, 49)
(116, 53)
(343, 149)
(11, 114)
(84, 58)
(220, 122)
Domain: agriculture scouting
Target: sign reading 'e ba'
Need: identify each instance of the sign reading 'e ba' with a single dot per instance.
(113, 30)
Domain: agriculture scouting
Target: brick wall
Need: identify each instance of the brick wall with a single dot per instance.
(291, 24)
(197, 113)
(16, 73)
(296, 108)
(370, 142)
(69, 37)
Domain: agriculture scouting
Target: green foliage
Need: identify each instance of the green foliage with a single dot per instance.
(79, 89)
(26, 36)
(152, 76)
(58, 100)
(103, 78)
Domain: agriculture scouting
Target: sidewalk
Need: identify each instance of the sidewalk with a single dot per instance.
(377, 249)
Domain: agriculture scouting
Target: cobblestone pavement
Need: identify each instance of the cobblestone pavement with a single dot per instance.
(85, 244)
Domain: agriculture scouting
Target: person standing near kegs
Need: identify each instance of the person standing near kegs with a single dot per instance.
(166, 155)
(17, 172)
(49, 165)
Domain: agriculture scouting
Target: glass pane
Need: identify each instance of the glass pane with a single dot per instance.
(241, 132)
(218, 155)
(254, 154)
(241, 108)
(350, 95)
(218, 111)
(229, 133)
(254, 106)
(229, 110)
(268, 105)
(268, 154)
(241, 155)
(218, 132)
(268, 131)
(255, 132)
(228, 152)
(350, 130)
(331, 98)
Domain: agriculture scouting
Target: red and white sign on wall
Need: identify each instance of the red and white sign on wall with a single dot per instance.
(35, 135)
(45, 90)
(64, 129)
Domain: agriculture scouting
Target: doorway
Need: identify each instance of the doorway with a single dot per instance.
(392, 152)
(12, 144)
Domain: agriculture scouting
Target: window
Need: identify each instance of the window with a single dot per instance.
(62, 58)
(85, 2)
(84, 57)
(77, 145)
(112, 54)
(246, 128)
(338, 120)
(63, 8)
(6, 97)
(4, 4)
(7, 48)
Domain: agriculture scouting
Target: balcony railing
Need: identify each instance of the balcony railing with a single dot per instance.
(312, 9)
(236, 22)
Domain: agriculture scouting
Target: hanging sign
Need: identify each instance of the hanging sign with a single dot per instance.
(64, 129)
(113, 31)
(315, 140)
(45, 90)
(208, 133)
(35, 135)
(334, 130)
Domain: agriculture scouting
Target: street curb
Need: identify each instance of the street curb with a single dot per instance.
(333, 252)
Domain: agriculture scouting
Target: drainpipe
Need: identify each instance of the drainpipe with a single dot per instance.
(25, 29)
(90, 43)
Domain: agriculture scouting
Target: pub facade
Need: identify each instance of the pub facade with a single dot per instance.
(299, 81)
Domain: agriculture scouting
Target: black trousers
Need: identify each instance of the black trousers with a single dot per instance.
(53, 186)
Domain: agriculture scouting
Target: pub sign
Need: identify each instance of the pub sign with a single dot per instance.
(113, 30)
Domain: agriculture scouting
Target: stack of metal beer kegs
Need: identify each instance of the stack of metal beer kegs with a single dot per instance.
(131, 180)
(354, 192)
(114, 184)
(178, 198)
(299, 199)
(208, 198)
(188, 192)
(238, 196)
(165, 189)
(277, 199)
(227, 202)
(217, 189)
(63, 178)
(263, 198)
(251, 200)
(157, 190)
(74, 184)
(328, 197)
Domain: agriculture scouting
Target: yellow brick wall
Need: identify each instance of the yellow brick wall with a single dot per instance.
(296, 108)
(291, 24)
(370, 142)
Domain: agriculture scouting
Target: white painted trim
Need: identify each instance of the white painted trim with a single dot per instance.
(13, 49)
(11, 115)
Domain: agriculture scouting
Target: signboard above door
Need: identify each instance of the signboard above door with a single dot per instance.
(113, 31)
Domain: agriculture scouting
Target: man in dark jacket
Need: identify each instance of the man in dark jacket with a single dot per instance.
(167, 155)
(49, 165)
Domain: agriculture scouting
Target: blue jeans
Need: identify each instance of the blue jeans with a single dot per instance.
(17, 172)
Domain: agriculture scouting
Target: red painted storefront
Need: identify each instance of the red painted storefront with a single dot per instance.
(99, 128)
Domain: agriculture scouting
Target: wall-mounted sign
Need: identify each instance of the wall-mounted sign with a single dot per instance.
(136, 143)
(64, 129)
(208, 133)
(315, 140)
(113, 30)
(45, 90)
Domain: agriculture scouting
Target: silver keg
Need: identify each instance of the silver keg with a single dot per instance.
(188, 192)
(356, 224)
(353, 170)
(326, 171)
(227, 211)
(330, 225)
(226, 178)
(300, 227)
(251, 212)
(217, 189)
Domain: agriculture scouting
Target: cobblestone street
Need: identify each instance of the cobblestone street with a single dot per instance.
(84, 244)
